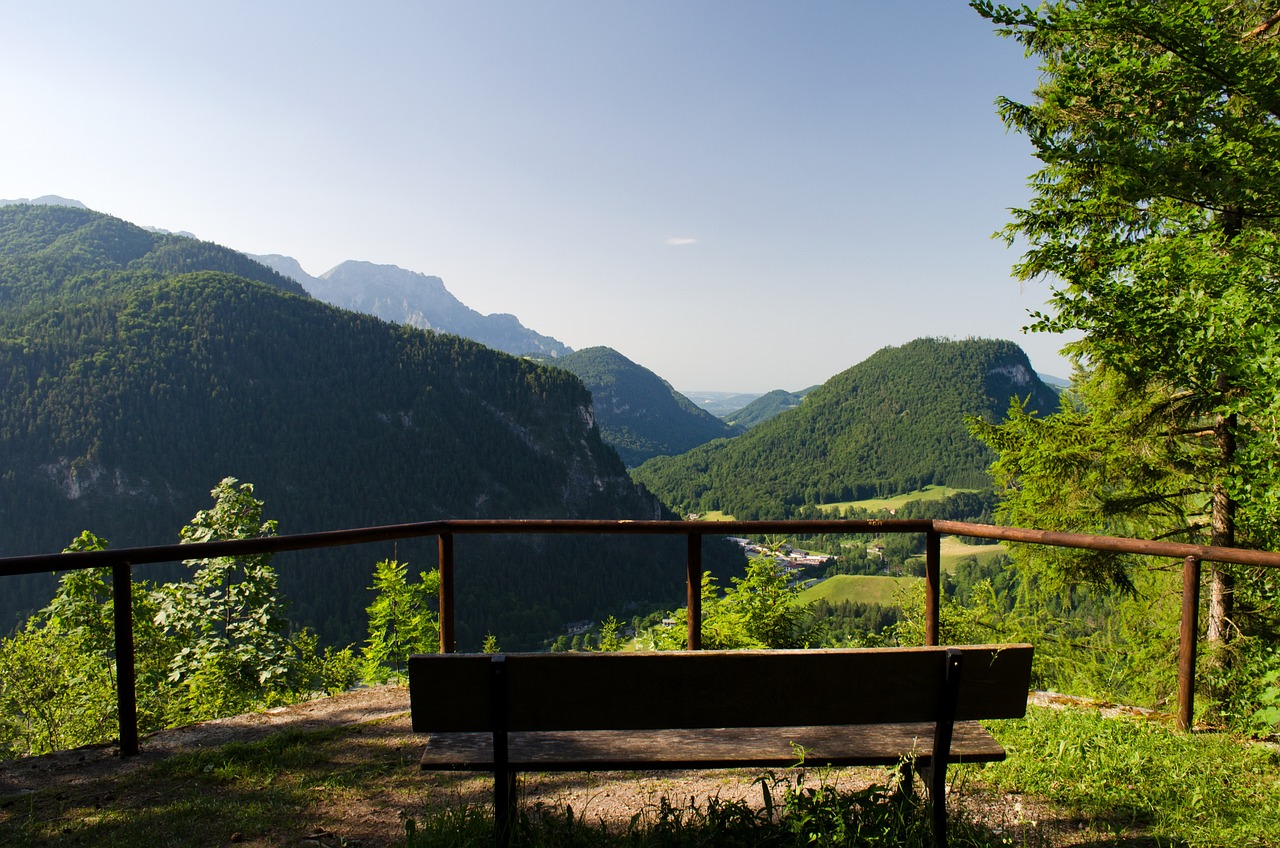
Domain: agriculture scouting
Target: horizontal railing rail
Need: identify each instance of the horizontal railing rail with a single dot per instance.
(121, 561)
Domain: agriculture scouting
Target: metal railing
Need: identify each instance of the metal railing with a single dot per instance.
(122, 560)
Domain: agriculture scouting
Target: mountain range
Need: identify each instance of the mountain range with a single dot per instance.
(418, 300)
(139, 369)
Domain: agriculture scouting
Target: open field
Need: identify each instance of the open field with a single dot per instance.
(716, 515)
(952, 550)
(861, 588)
(928, 493)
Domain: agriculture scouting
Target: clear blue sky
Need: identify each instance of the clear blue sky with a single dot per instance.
(737, 195)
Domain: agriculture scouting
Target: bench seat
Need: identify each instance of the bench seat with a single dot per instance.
(707, 748)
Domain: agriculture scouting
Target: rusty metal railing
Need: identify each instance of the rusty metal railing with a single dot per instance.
(121, 561)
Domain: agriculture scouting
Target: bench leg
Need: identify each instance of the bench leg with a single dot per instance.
(504, 807)
(938, 795)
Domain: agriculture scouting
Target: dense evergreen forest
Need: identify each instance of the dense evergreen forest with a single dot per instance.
(765, 407)
(127, 392)
(893, 423)
(638, 412)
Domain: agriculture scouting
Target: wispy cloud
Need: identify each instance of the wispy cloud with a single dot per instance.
(678, 241)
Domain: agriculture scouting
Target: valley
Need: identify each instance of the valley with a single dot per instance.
(146, 366)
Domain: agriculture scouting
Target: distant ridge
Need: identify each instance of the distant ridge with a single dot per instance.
(45, 200)
(720, 404)
(417, 300)
(638, 412)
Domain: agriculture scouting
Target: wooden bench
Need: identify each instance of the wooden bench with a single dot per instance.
(715, 709)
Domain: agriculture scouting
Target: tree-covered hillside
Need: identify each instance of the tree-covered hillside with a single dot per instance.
(765, 407)
(54, 252)
(891, 424)
(638, 412)
(124, 401)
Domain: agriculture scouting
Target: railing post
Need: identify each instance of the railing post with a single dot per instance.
(932, 585)
(693, 581)
(1187, 642)
(447, 642)
(126, 676)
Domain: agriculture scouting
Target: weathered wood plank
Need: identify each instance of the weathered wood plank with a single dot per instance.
(610, 750)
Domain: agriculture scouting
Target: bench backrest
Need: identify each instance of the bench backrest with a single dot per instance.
(635, 691)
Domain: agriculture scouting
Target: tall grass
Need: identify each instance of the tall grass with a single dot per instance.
(1126, 774)
(791, 816)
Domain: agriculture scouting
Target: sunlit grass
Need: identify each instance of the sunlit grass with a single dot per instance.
(928, 493)
(1122, 774)
(860, 588)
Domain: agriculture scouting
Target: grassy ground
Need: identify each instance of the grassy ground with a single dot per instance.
(880, 589)
(928, 493)
(1073, 778)
(952, 550)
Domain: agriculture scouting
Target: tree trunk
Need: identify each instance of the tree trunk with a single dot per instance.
(1222, 590)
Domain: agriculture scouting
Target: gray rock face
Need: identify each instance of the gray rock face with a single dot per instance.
(408, 297)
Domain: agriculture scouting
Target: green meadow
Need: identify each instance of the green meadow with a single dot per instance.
(928, 493)
(862, 588)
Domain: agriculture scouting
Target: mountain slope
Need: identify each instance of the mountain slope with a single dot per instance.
(639, 413)
(123, 402)
(891, 424)
(765, 407)
(407, 297)
(55, 251)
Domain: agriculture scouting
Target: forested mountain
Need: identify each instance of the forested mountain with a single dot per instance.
(638, 412)
(52, 253)
(407, 297)
(891, 424)
(128, 391)
(765, 407)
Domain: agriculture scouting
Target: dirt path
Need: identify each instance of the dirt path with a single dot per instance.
(379, 721)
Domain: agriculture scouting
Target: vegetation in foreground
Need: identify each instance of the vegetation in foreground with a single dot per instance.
(1124, 775)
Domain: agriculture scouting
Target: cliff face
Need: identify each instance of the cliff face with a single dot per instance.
(418, 300)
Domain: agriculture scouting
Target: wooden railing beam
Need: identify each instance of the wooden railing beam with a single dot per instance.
(121, 561)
